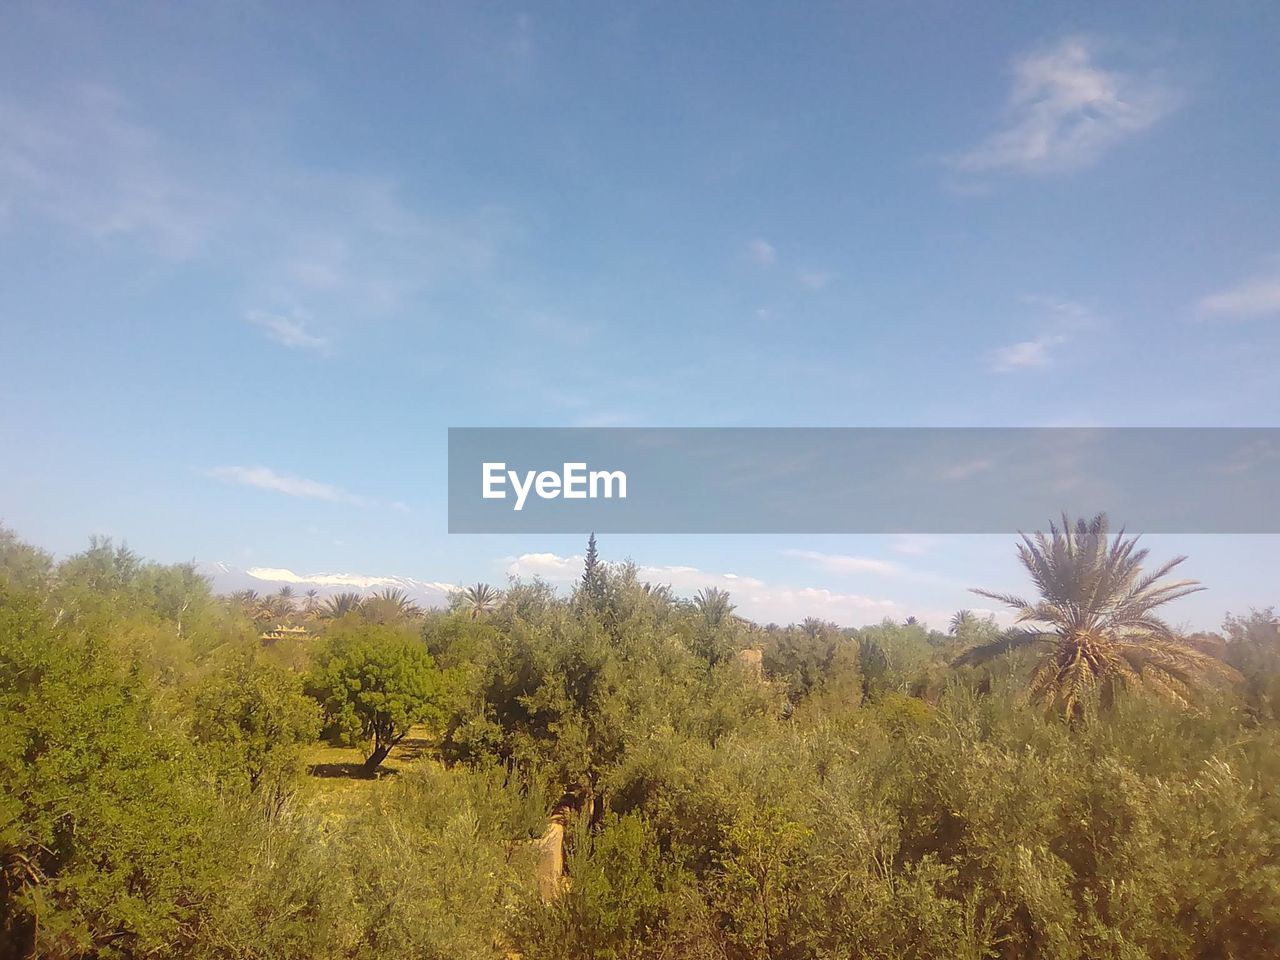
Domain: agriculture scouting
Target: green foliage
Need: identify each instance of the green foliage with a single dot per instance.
(861, 799)
(1094, 626)
(102, 830)
(593, 586)
(253, 717)
(375, 684)
(1253, 648)
(615, 904)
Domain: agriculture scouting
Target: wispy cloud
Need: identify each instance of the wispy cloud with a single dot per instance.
(843, 563)
(1063, 318)
(264, 478)
(1257, 296)
(762, 252)
(1025, 355)
(288, 331)
(1065, 111)
(814, 280)
(86, 162)
(336, 244)
(1066, 315)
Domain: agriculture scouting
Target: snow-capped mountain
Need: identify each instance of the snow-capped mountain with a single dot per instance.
(227, 578)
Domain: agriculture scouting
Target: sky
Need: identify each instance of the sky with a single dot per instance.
(255, 259)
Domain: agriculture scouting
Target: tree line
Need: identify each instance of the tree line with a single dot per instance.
(1088, 783)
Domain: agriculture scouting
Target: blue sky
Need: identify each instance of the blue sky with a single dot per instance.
(253, 263)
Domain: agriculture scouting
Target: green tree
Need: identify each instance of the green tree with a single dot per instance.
(377, 684)
(593, 584)
(22, 565)
(390, 606)
(341, 604)
(714, 606)
(960, 621)
(1094, 625)
(1253, 648)
(103, 840)
(478, 600)
(254, 716)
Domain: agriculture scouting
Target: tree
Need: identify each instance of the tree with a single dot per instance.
(254, 716)
(713, 636)
(340, 605)
(103, 842)
(22, 565)
(390, 606)
(479, 600)
(1253, 648)
(960, 621)
(1094, 623)
(593, 582)
(714, 606)
(377, 684)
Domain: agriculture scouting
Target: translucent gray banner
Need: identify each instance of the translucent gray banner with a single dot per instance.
(860, 480)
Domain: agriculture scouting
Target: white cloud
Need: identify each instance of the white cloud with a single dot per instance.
(264, 478)
(793, 604)
(843, 563)
(1026, 355)
(288, 331)
(762, 252)
(1063, 318)
(1256, 297)
(1064, 112)
(688, 580)
(814, 280)
(754, 598)
(548, 566)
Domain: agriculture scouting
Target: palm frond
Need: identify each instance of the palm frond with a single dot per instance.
(1009, 641)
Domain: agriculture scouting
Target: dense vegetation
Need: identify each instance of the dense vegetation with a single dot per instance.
(1087, 785)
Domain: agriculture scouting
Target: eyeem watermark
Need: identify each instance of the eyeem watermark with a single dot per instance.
(860, 480)
(573, 482)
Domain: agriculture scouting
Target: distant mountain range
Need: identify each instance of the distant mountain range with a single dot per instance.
(227, 578)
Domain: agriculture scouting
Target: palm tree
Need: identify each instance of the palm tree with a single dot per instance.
(714, 605)
(1094, 625)
(280, 605)
(247, 599)
(339, 605)
(312, 601)
(961, 619)
(811, 627)
(479, 600)
(259, 609)
(390, 606)
(659, 593)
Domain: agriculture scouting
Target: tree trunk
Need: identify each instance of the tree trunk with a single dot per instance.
(375, 759)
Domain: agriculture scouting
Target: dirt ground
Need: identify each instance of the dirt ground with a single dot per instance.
(340, 770)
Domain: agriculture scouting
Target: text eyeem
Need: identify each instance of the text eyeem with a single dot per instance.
(574, 482)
